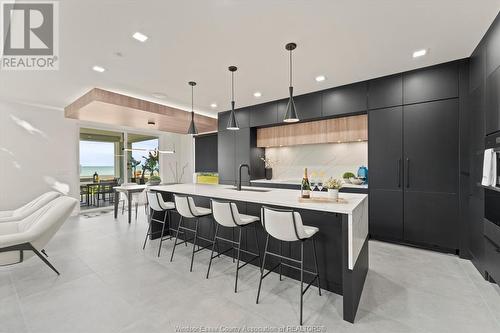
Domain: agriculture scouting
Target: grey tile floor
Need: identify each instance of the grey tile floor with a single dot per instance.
(109, 284)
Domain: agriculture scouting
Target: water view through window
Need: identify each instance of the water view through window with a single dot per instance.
(97, 157)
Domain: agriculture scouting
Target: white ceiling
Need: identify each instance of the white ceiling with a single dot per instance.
(346, 40)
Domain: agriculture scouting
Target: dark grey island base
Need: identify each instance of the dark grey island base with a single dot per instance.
(332, 246)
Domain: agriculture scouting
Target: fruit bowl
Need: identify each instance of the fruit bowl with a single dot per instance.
(356, 181)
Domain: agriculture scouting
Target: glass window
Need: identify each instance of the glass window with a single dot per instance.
(97, 157)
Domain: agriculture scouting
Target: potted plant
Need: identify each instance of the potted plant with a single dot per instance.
(268, 167)
(133, 163)
(150, 164)
(154, 180)
(347, 176)
(333, 186)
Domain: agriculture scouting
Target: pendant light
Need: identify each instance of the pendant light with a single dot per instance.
(192, 127)
(232, 124)
(291, 113)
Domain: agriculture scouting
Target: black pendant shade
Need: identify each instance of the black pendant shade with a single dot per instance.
(291, 115)
(291, 112)
(192, 127)
(232, 124)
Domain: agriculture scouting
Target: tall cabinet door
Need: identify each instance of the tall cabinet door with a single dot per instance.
(385, 153)
(431, 173)
(226, 154)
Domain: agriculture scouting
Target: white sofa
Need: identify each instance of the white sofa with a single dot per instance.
(22, 239)
(28, 209)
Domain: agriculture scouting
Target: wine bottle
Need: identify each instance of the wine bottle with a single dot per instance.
(305, 188)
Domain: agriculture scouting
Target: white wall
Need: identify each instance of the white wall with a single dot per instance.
(333, 159)
(182, 160)
(38, 150)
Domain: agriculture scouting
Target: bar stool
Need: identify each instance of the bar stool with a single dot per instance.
(187, 210)
(158, 205)
(286, 225)
(226, 215)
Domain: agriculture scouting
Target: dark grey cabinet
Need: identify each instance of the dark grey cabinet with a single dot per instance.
(263, 114)
(385, 153)
(431, 219)
(385, 92)
(493, 102)
(386, 214)
(226, 152)
(432, 83)
(243, 117)
(206, 153)
(385, 148)
(431, 146)
(493, 49)
(222, 119)
(413, 160)
(344, 100)
(242, 154)
(308, 107)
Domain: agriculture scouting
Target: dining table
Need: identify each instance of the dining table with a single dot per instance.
(128, 190)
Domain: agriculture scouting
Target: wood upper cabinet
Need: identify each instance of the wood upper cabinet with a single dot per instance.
(344, 100)
(432, 83)
(345, 129)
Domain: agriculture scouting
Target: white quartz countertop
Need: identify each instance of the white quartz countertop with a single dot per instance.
(267, 196)
(298, 182)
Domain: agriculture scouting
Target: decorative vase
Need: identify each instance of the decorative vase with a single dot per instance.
(269, 173)
(333, 193)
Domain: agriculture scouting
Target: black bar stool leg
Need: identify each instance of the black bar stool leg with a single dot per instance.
(176, 238)
(301, 279)
(162, 232)
(237, 261)
(262, 269)
(194, 243)
(213, 248)
(281, 260)
(146, 239)
(316, 264)
(257, 243)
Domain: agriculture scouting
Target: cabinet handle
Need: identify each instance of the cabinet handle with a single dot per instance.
(399, 173)
(407, 172)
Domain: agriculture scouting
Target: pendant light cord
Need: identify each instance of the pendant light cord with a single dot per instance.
(232, 86)
(290, 68)
(192, 102)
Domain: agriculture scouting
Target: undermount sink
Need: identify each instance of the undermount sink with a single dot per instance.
(252, 190)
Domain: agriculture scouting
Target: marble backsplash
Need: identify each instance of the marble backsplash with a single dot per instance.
(329, 159)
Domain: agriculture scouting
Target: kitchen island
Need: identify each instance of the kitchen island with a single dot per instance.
(342, 241)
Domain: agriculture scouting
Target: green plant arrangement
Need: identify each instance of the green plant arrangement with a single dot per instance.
(268, 163)
(333, 184)
(348, 175)
(156, 180)
(150, 164)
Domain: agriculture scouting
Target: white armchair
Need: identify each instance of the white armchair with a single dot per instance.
(29, 208)
(22, 239)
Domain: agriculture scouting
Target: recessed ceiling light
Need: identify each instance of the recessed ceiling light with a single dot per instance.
(419, 53)
(159, 95)
(98, 69)
(257, 94)
(213, 105)
(140, 37)
(320, 78)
